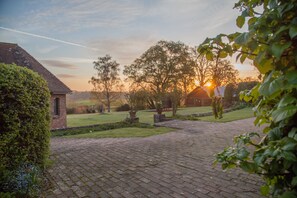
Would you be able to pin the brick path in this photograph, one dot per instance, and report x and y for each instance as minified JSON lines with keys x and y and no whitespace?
{"x":176,"y":164}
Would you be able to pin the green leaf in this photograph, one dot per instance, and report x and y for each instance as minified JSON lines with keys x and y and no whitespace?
{"x":288,"y":194}
{"x":264,"y":190}
{"x":248,"y":167}
{"x":293,"y":31}
{"x":289,"y":146}
{"x":242,"y":38}
{"x":283,"y":113}
{"x":277,"y":49}
{"x":275,"y":86}
{"x":240,"y":21}
{"x":223,"y":54}
{"x":275,"y":134}
{"x":294,"y":181}
{"x":286,"y":100}
{"x":291,"y":77}
{"x":289,"y":156}
{"x":209,"y":56}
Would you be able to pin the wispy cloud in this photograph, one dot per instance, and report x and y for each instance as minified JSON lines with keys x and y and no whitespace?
{"x":72,"y":15}
{"x":47,"y":38}
{"x":66,"y":76}
{"x":124,"y":49}
{"x":59,"y":64}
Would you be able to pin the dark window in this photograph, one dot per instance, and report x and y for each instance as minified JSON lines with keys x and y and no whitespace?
{"x":57,"y":106}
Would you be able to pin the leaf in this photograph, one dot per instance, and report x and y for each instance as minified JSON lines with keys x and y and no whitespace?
{"x":209,"y":56}
{"x":291,"y":77}
{"x":240,"y":21}
{"x":242,"y":38}
{"x":264,"y":190}
{"x":277,"y":49}
{"x":223,"y":54}
{"x":283,"y":113}
{"x":275,"y":86}
{"x":288,"y":194}
{"x":289,"y":146}
{"x":293,"y":31}
{"x":289,"y":156}
{"x":294,"y":181}
{"x":248,"y":167}
{"x":286,"y":100}
{"x":275,"y":134}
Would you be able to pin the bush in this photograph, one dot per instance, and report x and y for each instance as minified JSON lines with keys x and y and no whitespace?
{"x":124,"y":107}
{"x":24,"y":118}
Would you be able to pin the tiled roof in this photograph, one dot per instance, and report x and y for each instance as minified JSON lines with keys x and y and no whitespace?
{"x":12,"y":53}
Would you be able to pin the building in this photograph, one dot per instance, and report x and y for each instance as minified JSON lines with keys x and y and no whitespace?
{"x":12,"y":53}
{"x":198,"y":97}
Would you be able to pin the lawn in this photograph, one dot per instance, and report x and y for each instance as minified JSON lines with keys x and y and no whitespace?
{"x":231,"y":116}
{"x":74,"y":120}
{"x":124,"y":133}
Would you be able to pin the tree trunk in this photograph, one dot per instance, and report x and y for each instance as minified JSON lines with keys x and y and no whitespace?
{"x":108,"y":102}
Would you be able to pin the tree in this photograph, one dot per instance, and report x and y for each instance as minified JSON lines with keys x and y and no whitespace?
{"x":222,"y":72}
{"x":107,"y":84}
{"x":202,"y":68}
{"x":160,"y":68}
{"x":271,"y":44}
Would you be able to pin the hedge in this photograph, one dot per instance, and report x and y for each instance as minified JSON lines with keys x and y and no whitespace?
{"x":24,"y":118}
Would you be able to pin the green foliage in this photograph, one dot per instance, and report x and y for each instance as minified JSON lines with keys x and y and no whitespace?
{"x":271,"y":44}
{"x":24,"y":118}
{"x":217,"y":107}
{"x":123,"y":107}
{"x":107,"y":84}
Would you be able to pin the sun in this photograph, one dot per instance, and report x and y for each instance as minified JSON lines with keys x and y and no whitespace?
{"x":208,"y":84}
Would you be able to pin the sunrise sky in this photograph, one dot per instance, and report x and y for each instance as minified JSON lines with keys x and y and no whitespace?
{"x":66,"y":36}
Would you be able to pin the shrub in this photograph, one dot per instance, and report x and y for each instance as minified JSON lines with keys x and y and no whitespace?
{"x":124,"y":107}
{"x":24,"y":118}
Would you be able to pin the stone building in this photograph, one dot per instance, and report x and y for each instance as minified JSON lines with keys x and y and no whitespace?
{"x":12,"y":53}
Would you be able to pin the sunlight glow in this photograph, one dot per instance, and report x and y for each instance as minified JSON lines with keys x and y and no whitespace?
{"x":208,"y":84}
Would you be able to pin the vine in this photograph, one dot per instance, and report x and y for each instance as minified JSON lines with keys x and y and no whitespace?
{"x":271,"y":44}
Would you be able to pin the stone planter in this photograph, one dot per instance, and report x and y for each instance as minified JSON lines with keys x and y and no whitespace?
{"x":159,"y":118}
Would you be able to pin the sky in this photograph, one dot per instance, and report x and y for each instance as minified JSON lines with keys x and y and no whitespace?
{"x":67,"y":36}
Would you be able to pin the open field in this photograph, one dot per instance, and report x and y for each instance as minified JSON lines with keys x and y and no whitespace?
{"x":74,"y":120}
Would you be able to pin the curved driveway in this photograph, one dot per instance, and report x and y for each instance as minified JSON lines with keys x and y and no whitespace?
{"x":176,"y":164}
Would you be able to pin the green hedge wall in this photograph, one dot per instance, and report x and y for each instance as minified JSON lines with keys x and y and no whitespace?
{"x":24,"y":118}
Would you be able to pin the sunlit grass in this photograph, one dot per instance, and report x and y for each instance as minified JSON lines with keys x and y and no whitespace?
{"x":74,"y":120}
{"x":124,"y":133}
{"x":231,"y":116}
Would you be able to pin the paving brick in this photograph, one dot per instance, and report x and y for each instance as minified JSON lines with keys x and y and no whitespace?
{"x":177,"y":164}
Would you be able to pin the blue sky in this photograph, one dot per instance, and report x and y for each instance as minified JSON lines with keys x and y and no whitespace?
{"x":66,"y":36}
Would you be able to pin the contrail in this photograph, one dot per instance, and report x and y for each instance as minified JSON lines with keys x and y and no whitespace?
{"x":48,"y":38}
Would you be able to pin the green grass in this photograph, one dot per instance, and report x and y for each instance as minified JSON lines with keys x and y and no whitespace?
{"x":124,"y":133}
{"x":231,"y":116}
{"x":74,"y":120}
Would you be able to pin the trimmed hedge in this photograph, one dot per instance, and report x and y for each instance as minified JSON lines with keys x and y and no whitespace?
{"x":24,"y":120}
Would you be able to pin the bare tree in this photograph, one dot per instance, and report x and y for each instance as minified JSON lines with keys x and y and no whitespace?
{"x":202,"y":67}
{"x":107,"y":84}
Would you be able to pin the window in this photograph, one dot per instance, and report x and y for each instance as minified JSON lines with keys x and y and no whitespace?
{"x":57,"y":106}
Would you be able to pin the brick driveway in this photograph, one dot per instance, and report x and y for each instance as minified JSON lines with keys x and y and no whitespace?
{"x":176,"y":164}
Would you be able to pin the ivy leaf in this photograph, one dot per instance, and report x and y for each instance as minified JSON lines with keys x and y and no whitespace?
{"x":283,"y":113}
{"x":278,"y":49}
{"x":240,"y":21}
{"x":293,"y":31}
